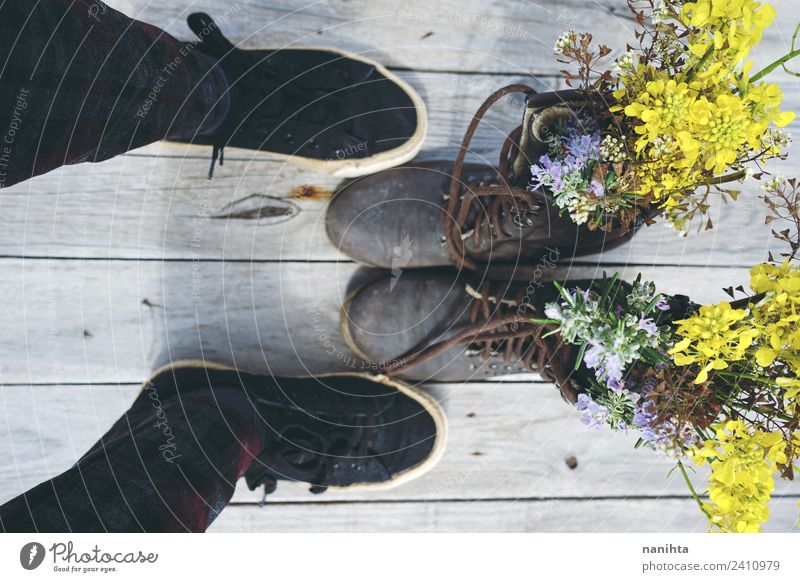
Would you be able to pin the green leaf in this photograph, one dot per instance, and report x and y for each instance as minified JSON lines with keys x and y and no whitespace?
{"x":579,"y":358}
{"x":564,"y":293}
{"x":654,"y":356}
{"x":545,"y":321}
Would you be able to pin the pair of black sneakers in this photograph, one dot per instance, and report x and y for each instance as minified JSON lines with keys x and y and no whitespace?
{"x":348,"y":116}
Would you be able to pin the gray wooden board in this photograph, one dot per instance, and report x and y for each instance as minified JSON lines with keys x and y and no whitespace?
{"x":555,"y":515}
{"x":514,"y":36}
{"x":69,"y":213}
{"x":90,"y":321}
{"x":506,"y":440}
{"x":156,"y":203}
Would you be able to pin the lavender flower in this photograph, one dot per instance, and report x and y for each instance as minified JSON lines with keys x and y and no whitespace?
{"x":582,"y":149}
{"x":593,"y":414}
{"x":647,"y":325}
{"x":667,"y":436}
{"x":567,"y":170}
{"x":613,"y":342}
{"x":597,"y":189}
{"x":547,"y":173}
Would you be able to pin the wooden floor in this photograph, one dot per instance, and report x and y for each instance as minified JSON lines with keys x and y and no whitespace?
{"x":114,"y":268}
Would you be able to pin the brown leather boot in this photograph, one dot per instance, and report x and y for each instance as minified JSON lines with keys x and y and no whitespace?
{"x":468,"y":215}
{"x":432,"y":325}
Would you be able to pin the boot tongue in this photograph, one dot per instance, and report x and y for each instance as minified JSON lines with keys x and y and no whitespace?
{"x":542,"y":112}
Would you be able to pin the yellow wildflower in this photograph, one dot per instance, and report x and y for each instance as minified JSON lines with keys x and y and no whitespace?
{"x":791,"y":387}
{"x":777,"y":315}
{"x":693,"y":124}
{"x":741,"y":481}
{"x":711,"y":338}
{"x":731,"y":27}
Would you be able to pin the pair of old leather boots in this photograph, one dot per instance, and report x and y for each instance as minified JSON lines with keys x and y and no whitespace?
{"x":469,"y":251}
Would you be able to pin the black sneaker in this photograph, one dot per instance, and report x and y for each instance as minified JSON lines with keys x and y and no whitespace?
{"x":340,"y":431}
{"x":328,"y":110}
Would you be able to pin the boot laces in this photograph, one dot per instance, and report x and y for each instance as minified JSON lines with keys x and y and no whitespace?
{"x":500,"y":324}
{"x":481,"y":211}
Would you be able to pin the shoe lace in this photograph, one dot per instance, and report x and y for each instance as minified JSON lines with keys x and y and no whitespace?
{"x":500,"y":324}
{"x":478,"y":212}
{"x":214,"y":43}
{"x":475,"y":211}
{"x":309,"y":453}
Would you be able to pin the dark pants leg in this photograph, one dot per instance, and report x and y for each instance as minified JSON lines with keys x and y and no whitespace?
{"x":169,"y":464}
{"x":82,"y":82}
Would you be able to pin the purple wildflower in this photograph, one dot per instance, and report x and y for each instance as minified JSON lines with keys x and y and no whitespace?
{"x":603,"y":361}
{"x":614,"y":370}
{"x":547,"y":173}
{"x":593,"y":415}
{"x":593,"y":357}
{"x":644,"y":418}
{"x":582,"y":149}
{"x":647,"y":324}
{"x":665,"y":435}
{"x":662,"y":304}
{"x":597,"y":189}
{"x":616,"y":384}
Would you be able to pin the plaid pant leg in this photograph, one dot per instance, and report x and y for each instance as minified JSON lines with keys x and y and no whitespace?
{"x":80,"y":81}
{"x":166,"y":466}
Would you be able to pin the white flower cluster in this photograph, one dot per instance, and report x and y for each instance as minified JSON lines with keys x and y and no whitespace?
{"x":662,"y":145}
{"x":660,"y":13}
{"x":612,"y":149}
{"x":774,"y":184}
{"x":625,"y":64}
{"x":566,"y":41}
{"x":778,"y":140}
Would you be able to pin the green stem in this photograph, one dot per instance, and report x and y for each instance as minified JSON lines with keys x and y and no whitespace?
{"x":717,"y":180}
{"x":746,"y":377}
{"x":691,"y":488}
{"x":702,"y":62}
{"x":732,"y":177}
{"x":744,"y":409}
{"x":774,"y":65}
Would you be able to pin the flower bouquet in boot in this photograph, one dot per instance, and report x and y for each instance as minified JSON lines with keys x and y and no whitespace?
{"x":717,"y":384}
{"x":674,"y":121}
{"x":679,"y":116}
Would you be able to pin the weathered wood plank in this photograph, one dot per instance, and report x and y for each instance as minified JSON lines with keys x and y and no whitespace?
{"x":162,"y":208}
{"x":113,"y":321}
{"x":506,"y":440}
{"x":505,"y":36}
{"x":156,"y":203}
{"x":558,"y":515}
